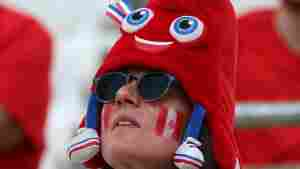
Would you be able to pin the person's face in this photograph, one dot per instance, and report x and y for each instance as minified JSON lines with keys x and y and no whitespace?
{"x":139,"y":134}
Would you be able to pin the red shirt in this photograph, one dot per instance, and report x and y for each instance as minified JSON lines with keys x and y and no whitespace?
{"x":267,"y":72}
{"x":25,"y":50}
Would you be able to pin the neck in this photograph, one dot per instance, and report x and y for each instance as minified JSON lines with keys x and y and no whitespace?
{"x":288,"y":26}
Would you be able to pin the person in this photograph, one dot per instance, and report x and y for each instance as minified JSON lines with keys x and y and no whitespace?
{"x":164,"y":95}
{"x":268,"y":82}
{"x":24,"y":89}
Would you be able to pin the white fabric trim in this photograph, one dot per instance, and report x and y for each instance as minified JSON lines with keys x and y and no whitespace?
{"x":262,"y":109}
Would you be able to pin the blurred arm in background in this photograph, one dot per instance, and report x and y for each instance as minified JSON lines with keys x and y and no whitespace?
{"x":268,"y":83}
{"x":10,"y":131}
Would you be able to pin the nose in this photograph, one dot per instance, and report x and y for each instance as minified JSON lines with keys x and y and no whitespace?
{"x":128,"y":94}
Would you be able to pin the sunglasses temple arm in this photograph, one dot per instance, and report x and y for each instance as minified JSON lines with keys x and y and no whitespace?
{"x":92,"y":115}
{"x":195,"y":123}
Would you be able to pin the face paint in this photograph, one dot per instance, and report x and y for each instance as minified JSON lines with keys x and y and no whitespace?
{"x":169,"y":123}
{"x":179,"y":124}
{"x":106,"y":115}
{"x":173,"y":125}
{"x":161,"y":120}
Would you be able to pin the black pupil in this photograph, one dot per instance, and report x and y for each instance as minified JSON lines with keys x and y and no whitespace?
{"x":185,"y":24}
{"x":138,"y":15}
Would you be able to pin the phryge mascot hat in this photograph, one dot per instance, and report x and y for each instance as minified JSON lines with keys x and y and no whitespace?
{"x":195,"y":40}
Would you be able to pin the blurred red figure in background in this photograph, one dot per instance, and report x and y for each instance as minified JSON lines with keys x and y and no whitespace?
{"x":268,"y":73}
{"x":25,"y":52}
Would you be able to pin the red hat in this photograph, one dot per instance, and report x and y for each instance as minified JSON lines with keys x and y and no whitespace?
{"x":196,"y":41}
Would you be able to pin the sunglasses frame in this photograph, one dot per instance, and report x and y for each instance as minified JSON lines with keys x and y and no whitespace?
{"x":137,"y":76}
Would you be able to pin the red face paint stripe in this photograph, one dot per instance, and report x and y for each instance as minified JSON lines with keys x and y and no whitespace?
{"x":178,"y":126}
{"x":106,"y":114}
{"x":161,"y":121}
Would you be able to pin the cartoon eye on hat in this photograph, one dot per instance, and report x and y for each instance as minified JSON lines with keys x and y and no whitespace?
{"x":137,"y":19}
{"x":186,"y":28}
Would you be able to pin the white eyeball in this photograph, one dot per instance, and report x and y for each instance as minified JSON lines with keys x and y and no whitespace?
{"x":137,"y":19}
{"x":186,"y":28}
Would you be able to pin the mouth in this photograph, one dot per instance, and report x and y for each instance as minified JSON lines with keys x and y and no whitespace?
{"x":125,"y":121}
{"x":154,"y":43}
{"x":152,"y":46}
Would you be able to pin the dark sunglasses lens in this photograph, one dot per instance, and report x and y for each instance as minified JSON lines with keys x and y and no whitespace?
{"x":108,"y":85}
{"x":153,"y":86}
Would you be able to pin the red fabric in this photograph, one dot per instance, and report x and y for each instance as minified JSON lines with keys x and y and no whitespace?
{"x":206,"y":68}
{"x":267,"y":72}
{"x":25,"y":50}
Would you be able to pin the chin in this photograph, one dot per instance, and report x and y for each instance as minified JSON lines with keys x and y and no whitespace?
{"x":156,"y":154}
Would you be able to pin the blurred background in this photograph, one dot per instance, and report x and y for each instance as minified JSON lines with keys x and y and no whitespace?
{"x":81,"y":36}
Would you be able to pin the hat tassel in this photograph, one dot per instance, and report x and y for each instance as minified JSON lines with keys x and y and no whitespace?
{"x":189,"y":155}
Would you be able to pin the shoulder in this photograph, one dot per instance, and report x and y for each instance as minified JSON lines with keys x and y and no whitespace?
{"x":256,"y":36}
{"x":256,"y":31}
{"x":256,"y":23}
{"x":24,"y":37}
{"x":256,"y":17}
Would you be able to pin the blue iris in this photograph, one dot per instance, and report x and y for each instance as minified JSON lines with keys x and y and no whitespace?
{"x":185,"y":25}
{"x":138,"y":17}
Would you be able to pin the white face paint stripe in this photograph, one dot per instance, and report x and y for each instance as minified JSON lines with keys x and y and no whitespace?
{"x":171,"y":123}
{"x":259,"y":109}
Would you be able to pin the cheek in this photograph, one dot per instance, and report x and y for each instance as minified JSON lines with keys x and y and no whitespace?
{"x":106,"y":115}
{"x":169,"y":123}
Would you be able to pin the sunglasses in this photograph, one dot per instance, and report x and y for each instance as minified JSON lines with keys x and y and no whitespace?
{"x":151,"y":86}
